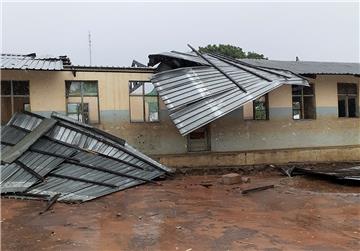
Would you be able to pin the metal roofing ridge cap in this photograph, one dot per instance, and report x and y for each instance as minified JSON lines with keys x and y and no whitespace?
{"x":75,"y":67}
{"x":296,"y":62}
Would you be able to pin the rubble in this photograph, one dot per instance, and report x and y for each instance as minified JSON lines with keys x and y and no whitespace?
{"x":231,"y":178}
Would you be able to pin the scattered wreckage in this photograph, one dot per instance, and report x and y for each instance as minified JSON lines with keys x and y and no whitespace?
{"x":341,"y":175}
{"x":60,"y":159}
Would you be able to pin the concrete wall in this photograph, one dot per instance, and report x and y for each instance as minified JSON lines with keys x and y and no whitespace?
{"x":229,"y":133}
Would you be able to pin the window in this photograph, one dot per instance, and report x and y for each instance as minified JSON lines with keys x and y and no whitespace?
{"x":347,"y":100}
{"x":303,"y":102}
{"x":82,"y":101}
{"x":144,"y":102}
{"x":78,"y":111}
{"x":258,"y":109}
{"x":14,"y":98}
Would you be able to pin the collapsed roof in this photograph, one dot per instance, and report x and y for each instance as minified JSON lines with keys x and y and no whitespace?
{"x":61,"y":157}
{"x":200,"y":88}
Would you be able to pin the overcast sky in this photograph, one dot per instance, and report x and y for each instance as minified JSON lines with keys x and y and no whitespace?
{"x":125,"y":31}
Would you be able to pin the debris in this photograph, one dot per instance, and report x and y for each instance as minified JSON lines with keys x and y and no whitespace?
{"x":206,"y":184}
{"x":287,"y":171}
{"x":51,"y":202}
{"x":245,"y":179}
{"x":44,"y":157}
{"x":255,"y":189}
{"x":231,"y":178}
{"x":179,"y":227}
{"x":351,"y":174}
{"x":118,"y":215}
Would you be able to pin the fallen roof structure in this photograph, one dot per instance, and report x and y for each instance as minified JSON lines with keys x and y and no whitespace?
{"x":351,"y":174}
{"x":58,"y":156}
{"x":200,"y":88}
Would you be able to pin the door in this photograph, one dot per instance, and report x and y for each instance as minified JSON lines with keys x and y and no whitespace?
{"x":199,"y":140}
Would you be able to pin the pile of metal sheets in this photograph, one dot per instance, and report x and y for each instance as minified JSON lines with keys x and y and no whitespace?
{"x":342,"y":174}
{"x":67,"y":159}
{"x":200,"y":89}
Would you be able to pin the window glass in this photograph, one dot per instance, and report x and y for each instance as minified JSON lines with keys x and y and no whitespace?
{"x":151,"y":109}
{"x":5,"y":88}
{"x":309,"y":108}
{"x":308,"y":90}
{"x":260,"y":108}
{"x":20,"y":87}
{"x":73,"y":88}
{"x":342,"y":106}
{"x":296,"y":114}
{"x":352,"y":107}
{"x":73,"y":108}
{"x":90,"y":89}
{"x":136,"y":88}
{"x":149,"y":89}
{"x":296,"y":89}
{"x":27,"y":107}
{"x":296,"y":103}
{"x":347,"y":88}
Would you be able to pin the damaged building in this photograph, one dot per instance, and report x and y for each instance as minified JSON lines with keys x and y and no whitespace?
{"x":191,"y":110}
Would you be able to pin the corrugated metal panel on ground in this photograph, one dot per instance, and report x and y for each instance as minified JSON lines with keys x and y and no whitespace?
{"x":197,"y":95}
{"x":75,"y":160}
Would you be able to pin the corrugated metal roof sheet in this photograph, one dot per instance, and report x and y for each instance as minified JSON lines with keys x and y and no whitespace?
{"x":197,"y":95}
{"x":72,"y":159}
{"x":30,"y":62}
{"x":308,"y":67}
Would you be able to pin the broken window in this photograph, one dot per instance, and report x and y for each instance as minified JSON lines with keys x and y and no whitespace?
{"x":82,"y":101}
{"x":15,"y":97}
{"x":144,"y":102}
{"x":303,"y":102}
{"x":347,"y":100}
{"x":257,"y":110}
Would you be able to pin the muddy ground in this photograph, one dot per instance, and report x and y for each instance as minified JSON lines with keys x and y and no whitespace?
{"x":298,"y":214}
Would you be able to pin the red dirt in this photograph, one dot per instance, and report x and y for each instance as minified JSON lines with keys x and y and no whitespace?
{"x":182,"y":214}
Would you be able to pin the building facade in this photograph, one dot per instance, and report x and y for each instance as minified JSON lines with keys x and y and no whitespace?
{"x":316,"y":123}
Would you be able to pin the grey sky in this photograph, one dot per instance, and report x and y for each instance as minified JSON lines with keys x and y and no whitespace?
{"x":125,"y":31}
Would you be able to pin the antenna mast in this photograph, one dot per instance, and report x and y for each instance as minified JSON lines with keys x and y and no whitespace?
{"x":90,"y":47}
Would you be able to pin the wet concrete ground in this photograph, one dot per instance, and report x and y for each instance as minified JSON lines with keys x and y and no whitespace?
{"x":298,"y":214}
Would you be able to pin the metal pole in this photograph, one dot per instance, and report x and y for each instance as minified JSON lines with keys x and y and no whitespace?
{"x":90,"y":47}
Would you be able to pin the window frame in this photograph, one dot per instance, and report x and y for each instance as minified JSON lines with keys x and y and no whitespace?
{"x":12,"y":96}
{"x":143,"y":95}
{"x":357,"y":115}
{"x":82,"y":96}
{"x":302,"y":103}
{"x":266,"y":108}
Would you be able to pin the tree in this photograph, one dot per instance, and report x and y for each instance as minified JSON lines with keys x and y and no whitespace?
{"x":230,"y":51}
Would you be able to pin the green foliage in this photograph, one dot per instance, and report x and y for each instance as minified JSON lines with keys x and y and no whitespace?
{"x":230,"y":51}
